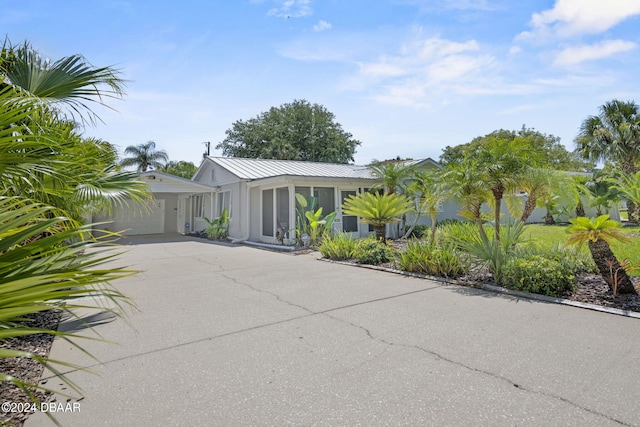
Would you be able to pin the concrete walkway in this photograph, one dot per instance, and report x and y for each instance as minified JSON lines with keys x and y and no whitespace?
{"x":230,"y":336}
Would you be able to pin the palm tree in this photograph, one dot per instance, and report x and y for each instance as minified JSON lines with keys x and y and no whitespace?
{"x":628,"y":187}
{"x":614,"y":135}
{"x":377,"y":210}
{"x":144,"y":156}
{"x":391,"y":175}
{"x":429,"y":192}
{"x":502,"y":164}
{"x":70,"y":82}
{"x":598,"y":233}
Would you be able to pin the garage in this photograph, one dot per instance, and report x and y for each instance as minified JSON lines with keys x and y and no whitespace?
{"x":168,"y":212}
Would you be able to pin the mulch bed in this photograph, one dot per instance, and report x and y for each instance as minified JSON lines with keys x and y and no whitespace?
{"x":26,"y":369}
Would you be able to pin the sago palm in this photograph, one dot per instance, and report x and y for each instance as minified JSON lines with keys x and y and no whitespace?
{"x":598,"y":233}
{"x":377,"y":210}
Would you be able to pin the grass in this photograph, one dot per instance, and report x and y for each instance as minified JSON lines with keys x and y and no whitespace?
{"x":553,"y":234}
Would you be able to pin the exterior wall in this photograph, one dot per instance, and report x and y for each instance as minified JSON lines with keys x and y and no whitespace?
{"x":170,"y":211}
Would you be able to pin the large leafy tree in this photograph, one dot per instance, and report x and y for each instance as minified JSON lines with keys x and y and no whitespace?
{"x":295,"y":131}
{"x":144,"y":156}
{"x":613,"y":135}
{"x":180,"y":168}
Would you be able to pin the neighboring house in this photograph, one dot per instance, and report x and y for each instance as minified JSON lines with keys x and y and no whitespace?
{"x":170,"y":211}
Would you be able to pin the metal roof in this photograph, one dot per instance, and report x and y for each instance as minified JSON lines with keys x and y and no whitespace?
{"x":263,"y":168}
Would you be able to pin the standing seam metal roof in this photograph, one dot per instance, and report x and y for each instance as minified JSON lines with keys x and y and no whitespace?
{"x":263,"y":168}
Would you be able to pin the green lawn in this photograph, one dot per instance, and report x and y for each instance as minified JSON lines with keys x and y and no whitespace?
{"x":557,"y":234}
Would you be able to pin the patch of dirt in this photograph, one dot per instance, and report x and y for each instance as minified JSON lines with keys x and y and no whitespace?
{"x":26,"y":369}
{"x":592,"y":289}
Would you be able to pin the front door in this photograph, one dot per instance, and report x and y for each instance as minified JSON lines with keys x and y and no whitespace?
{"x":349,"y":222}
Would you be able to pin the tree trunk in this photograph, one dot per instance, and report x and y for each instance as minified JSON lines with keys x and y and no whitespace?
{"x":632,"y":211}
{"x":580,"y":209}
{"x":610,"y":269}
{"x":529,"y":207}
{"x":548,"y":219}
{"x":497,"y":195}
{"x":381,"y":231}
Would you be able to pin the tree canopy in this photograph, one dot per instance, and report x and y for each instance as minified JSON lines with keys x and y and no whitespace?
{"x":144,"y":156}
{"x":549,"y":153}
{"x":295,"y":131}
{"x":180,"y":168}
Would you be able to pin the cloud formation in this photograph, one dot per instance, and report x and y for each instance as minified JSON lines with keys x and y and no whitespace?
{"x":291,"y":9}
{"x":321,"y":26}
{"x":570,"y":18}
{"x":580,"y":53}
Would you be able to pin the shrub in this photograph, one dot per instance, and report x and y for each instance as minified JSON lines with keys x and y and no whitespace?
{"x":420,"y":257}
{"x":339,"y":246}
{"x":372,"y":251}
{"x":575,"y":259}
{"x":418,"y":232}
{"x":538,"y":275}
{"x":455,"y":231}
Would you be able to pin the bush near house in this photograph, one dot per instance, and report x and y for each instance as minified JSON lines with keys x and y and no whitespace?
{"x":538,"y":275}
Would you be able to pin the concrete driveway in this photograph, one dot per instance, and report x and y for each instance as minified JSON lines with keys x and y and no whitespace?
{"x":230,"y":336}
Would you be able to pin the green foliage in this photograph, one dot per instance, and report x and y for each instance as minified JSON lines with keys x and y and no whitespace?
{"x":49,"y":178}
{"x":420,"y":257}
{"x":539,"y":275}
{"x":584,"y":229}
{"x":456,"y":231}
{"x":218,"y":228}
{"x":377,"y":209}
{"x":294,"y":131}
{"x":628,"y":187}
{"x":144,"y":156}
{"x":492,"y":253}
{"x":40,"y":269}
{"x":574,"y":258}
{"x":372,"y":251}
{"x":417,"y":231}
{"x":310,"y":221}
{"x":339,"y":246}
{"x":181,"y":168}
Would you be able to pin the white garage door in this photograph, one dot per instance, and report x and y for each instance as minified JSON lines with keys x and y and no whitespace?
{"x":135,"y":220}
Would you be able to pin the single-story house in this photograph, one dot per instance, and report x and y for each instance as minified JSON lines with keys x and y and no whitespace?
{"x":170,"y":211}
{"x":260,"y":197}
{"x":260,"y":194}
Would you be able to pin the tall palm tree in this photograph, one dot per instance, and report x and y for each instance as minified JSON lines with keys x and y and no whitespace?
{"x":391,"y":175}
{"x":613,"y":135}
{"x":428,"y":189}
{"x":144,"y":156}
{"x":502,"y":163}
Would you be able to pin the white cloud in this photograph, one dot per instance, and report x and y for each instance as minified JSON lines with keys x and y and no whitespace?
{"x":321,"y":26}
{"x":576,"y":54}
{"x":421,"y":68}
{"x":570,"y":18}
{"x":291,"y":9}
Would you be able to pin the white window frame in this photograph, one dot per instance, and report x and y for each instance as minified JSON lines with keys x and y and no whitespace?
{"x":198,"y":206}
{"x":224,"y":202}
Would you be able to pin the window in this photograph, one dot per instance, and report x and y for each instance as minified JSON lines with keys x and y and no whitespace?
{"x":224,"y":202}
{"x":326,"y":199}
{"x":198,"y":206}
{"x":267,"y":213}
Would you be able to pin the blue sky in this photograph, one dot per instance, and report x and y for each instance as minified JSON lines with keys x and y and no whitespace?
{"x":405,"y":77}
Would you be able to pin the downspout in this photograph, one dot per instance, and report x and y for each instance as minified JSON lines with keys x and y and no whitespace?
{"x":248,"y":216}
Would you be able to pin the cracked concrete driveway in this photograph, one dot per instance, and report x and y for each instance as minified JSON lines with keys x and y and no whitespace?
{"x":241,"y":336}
